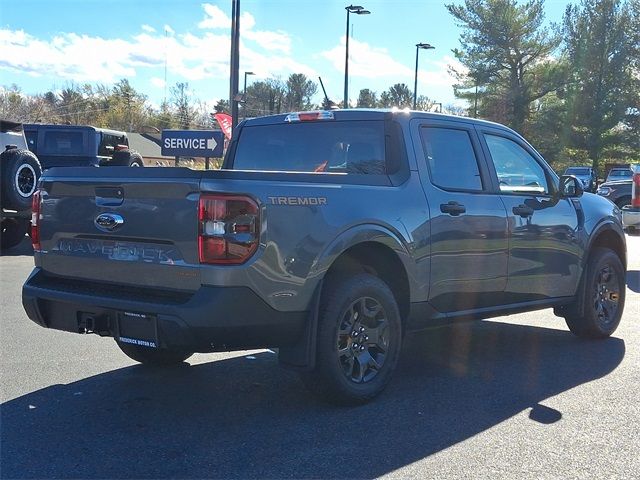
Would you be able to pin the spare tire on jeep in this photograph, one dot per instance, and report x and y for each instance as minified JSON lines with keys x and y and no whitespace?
{"x":126,"y":158}
{"x":21,"y":171}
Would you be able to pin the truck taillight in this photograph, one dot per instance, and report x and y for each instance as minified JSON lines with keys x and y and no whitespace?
{"x":35,"y":220}
{"x":635,"y":190}
{"x":229,"y":230}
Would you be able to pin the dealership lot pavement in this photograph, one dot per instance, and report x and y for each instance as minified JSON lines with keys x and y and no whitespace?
{"x":514,"y":396}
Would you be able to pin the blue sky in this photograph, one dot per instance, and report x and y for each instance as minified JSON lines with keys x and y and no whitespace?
{"x":52,"y":43}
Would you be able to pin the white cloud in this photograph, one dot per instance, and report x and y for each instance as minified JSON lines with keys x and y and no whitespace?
{"x":77,"y":57}
{"x":366,"y":61}
{"x":189,"y":57}
{"x":214,"y":17}
{"x":439,"y":73}
{"x":270,"y":40}
{"x":157,"y":82}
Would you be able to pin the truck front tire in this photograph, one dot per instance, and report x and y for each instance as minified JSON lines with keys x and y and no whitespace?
{"x":598,"y":307}
{"x":358,"y":342}
{"x":126,"y":158}
{"x":157,"y":357}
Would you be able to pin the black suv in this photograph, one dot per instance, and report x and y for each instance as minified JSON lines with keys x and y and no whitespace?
{"x":80,"y":146}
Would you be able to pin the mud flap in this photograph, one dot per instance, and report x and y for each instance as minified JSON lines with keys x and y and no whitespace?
{"x":302,"y":355}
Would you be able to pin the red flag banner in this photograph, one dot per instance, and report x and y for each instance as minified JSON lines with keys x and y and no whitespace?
{"x":224,"y":121}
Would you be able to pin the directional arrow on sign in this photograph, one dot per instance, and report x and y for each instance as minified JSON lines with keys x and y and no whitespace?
{"x":211,"y":143}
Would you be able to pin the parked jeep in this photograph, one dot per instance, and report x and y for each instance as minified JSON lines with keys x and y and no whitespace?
{"x":20,"y":171}
{"x":80,"y":146}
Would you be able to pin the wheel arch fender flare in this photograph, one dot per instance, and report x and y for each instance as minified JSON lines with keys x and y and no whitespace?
{"x":610,"y":230}
{"x":383,"y":235}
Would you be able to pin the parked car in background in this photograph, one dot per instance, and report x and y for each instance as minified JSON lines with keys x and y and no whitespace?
{"x":80,"y":146}
{"x":586,"y":175}
{"x":631,"y":213}
{"x":20,"y":171}
{"x":619,"y":174}
{"x":616,"y":191}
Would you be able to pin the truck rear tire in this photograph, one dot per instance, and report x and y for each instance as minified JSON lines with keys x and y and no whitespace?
{"x":157,"y":357}
{"x":598,"y":307}
{"x":13,"y":232}
{"x":358,"y":342}
{"x":20,"y":174}
{"x":127,"y":158}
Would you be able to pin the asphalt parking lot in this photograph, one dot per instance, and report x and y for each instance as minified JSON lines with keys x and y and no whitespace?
{"x":515,"y":396}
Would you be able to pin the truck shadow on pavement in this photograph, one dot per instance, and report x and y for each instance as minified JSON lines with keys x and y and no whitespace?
{"x":246,"y":418}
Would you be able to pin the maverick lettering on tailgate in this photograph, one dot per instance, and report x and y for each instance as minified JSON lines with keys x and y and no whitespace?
{"x":116,"y":250}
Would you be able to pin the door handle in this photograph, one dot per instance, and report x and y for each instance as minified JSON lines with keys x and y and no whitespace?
{"x":523,"y":211}
{"x":452,"y":208}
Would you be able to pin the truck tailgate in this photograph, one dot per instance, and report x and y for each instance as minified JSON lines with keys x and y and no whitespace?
{"x":96,"y":220}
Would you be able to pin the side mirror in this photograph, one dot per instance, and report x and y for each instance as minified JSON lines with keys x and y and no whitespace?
{"x":570,"y":187}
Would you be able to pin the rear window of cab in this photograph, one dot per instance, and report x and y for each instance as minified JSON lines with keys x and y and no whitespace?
{"x":353,"y":147}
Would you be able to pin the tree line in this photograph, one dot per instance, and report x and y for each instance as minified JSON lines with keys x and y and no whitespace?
{"x":572,"y":88}
{"x":120,"y":107}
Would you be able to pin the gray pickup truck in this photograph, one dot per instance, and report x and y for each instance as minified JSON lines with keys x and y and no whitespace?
{"x":327,"y":235}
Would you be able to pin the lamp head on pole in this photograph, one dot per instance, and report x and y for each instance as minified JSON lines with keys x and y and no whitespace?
{"x":357,"y":9}
{"x":425,"y":46}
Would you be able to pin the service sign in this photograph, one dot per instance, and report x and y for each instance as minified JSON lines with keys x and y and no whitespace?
{"x":192,"y":143}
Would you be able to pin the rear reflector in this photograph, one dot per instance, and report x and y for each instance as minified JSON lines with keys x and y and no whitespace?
{"x":229,"y":231}
{"x":35,"y":220}
{"x":309,"y":116}
{"x":635,"y":190}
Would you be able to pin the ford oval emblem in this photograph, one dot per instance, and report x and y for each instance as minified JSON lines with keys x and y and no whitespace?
{"x":107,"y":222}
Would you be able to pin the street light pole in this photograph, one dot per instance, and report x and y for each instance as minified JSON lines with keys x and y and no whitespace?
{"x":419,"y":46}
{"x":358,"y":10}
{"x":235,"y":61}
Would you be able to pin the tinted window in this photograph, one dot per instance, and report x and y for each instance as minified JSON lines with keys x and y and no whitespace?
{"x":516,"y":168}
{"x":63,"y":143}
{"x":577,"y":171}
{"x":620,"y":174}
{"x":342,"y":147}
{"x":450,"y":157}
{"x":108,"y":142}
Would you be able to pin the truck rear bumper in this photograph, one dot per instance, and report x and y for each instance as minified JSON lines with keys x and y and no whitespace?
{"x":210,"y":319}
{"x":630,"y":217}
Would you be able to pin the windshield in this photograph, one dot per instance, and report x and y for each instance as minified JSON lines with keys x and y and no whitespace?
{"x":332,"y":147}
{"x":577,"y":171}
{"x":620,"y":173}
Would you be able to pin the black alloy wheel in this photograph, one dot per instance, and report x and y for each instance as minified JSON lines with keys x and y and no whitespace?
{"x":599,"y":303}
{"x":363,"y":341}
{"x":605,"y":295}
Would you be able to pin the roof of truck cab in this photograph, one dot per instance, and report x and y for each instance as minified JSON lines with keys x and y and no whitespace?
{"x":376,"y":114}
